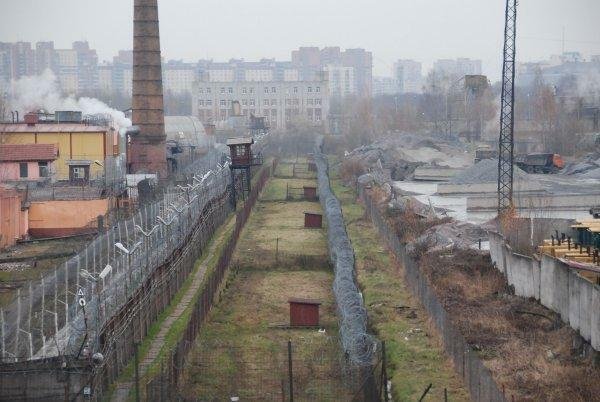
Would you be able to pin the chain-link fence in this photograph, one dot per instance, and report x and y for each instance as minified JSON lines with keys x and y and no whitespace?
{"x":292,"y":371}
{"x":477,"y":378}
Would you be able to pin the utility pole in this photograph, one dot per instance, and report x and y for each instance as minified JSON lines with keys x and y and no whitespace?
{"x":506,"y":143}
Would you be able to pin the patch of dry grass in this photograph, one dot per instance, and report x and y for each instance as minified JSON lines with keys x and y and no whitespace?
{"x":527,"y":346}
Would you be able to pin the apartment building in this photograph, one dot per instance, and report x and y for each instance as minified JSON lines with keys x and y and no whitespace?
{"x":408,"y":75}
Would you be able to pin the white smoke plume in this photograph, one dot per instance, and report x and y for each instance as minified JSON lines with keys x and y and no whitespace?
{"x":42,"y":92}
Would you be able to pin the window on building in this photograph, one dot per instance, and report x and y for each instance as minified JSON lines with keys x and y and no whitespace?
{"x":266,"y":90}
{"x":201,"y":90}
{"x":251,"y":90}
{"x":288,"y":102}
{"x":273,"y":102}
{"x":230,"y":90}
{"x":245,"y":112}
{"x":23,"y":170}
{"x":317,"y":114}
{"x":244,"y":90}
{"x":207,"y":90}
{"x":78,"y":173}
{"x":222,"y":102}
{"x":309,"y":101}
{"x":209,"y":102}
{"x":244,"y":102}
{"x":296,"y":102}
{"x":240,"y":150}
{"x":309,"y":89}
{"x":266,"y":102}
{"x":273,"y":90}
{"x":222,"y":90}
{"x":317,"y":89}
{"x":252,"y":103}
{"x":201,"y":102}
{"x":253,"y":111}
{"x":317,"y":101}
{"x":295,"y":90}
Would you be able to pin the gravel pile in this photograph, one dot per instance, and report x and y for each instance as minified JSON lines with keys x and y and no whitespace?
{"x":485,"y":171}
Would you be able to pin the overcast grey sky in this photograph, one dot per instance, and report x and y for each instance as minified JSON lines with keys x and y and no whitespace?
{"x":423,"y":30}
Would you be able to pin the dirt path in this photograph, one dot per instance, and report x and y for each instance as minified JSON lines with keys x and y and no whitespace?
{"x":123,"y":389}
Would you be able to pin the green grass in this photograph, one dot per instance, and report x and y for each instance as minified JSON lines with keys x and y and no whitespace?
{"x":415,"y":358}
{"x":178,"y":327}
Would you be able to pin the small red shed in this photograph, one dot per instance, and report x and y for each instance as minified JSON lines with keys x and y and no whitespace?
{"x":304,"y":312}
{"x":313,"y":220}
{"x":310,"y":192}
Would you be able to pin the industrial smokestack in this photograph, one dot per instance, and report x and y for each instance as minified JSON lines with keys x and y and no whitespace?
{"x":147,"y":152}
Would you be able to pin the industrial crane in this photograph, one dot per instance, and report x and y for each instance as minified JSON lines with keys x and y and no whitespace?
{"x":506,"y":143}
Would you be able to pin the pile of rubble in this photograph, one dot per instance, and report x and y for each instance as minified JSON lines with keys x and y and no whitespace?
{"x":402,"y":154}
{"x":588,"y":168}
{"x":485,"y":171}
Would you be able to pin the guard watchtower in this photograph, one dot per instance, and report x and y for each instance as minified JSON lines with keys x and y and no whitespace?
{"x":242,"y":159}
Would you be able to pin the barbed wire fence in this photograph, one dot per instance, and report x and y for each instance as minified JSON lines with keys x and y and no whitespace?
{"x":64,"y":311}
{"x":358,"y":345}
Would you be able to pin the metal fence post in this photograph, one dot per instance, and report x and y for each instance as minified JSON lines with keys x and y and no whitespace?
{"x":290,"y":371}
{"x":137,"y":372}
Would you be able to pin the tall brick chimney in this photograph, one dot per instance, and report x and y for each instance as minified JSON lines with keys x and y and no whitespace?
{"x":147,"y":150}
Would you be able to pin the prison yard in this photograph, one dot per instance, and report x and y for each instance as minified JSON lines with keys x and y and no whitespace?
{"x":242,"y":350}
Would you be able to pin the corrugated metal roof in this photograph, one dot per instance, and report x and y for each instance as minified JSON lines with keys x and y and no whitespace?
{"x":28,"y":152}
{"x":240,"y":141}
{"x":50,"y":128}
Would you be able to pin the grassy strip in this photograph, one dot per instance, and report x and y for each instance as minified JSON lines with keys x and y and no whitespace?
{"x":178,"y":327}
{"x":415,"y":358}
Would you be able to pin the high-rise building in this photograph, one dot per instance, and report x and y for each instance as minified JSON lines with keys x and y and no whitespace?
{"x":408,"y":76}
{"x":87,"y":66}
{"x":384,"y":86}
{"x":457,"y":67}
{"x":22,"y":60}
{"x":67,"y":70}
{"x":357,"y":63}
{"x":45,"y":57}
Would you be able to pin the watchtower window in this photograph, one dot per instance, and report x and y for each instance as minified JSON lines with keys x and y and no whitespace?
{"x":240,"y":150}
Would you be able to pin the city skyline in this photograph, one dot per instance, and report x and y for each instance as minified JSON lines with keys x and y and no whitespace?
{"x":392,"y":34}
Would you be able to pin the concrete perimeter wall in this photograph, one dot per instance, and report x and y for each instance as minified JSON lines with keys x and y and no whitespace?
{"x":554,"y":284}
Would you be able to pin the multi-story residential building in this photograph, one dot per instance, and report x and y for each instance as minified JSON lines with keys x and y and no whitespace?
{"x":280,"y":102}
{"x":67,"y":71}
{"x":342,"y":81}
{"x":105,"y":77}
{"x":357,"y":62}
{"x":458,"y":67}
{"x":384,"y":86}
{"x":87,"y":66}
{"x":408,"y":76}
{"x":179,"y":77}
{"x":45,"y":57}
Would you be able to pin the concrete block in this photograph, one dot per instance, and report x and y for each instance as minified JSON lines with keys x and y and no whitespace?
{"x":595,"y":318}
{"x":536,"y":267}
{"x":586,"y":311}
{"x":561,"y":290}
{"x":547,"y":281}
{"x":574,"y":294}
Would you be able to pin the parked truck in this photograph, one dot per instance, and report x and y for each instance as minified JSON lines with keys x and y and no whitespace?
{"x":540,"y":163}
{"x":482,"y":153}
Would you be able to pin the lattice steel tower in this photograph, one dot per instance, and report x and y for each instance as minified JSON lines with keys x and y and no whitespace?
{"x":506,"y":146}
